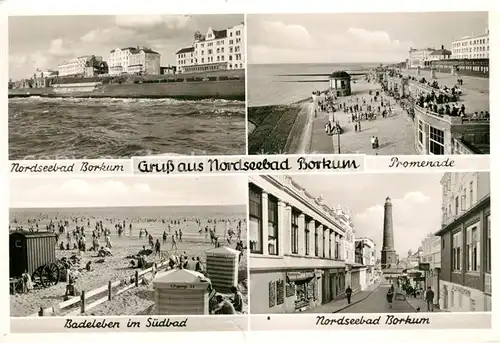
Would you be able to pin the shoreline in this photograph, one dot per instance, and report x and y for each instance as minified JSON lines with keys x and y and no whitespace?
{"x":129,"y":96}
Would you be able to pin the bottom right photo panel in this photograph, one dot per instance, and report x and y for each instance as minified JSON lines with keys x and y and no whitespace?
{"x":370,"y":243}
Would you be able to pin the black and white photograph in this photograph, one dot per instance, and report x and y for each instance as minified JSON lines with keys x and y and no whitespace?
{"x":370,"y":243}
{"x":97,"y":87}
{"x":128,"y":246}
{"x":368,"y":83}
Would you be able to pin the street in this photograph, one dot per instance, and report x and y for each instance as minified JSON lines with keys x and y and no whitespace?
{"x":377,"y":303}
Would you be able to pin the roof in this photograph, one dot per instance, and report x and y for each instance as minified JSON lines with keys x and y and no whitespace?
{"x":223,"y":251}
{"x":137,"y":50}
{"x":33,"y":234}
{"x":180,"y":276}
{"x":441,"y":52}
{"x":184,"y":50}
{"x":340,"y":74}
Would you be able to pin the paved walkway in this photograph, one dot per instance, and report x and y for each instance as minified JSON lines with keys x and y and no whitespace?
{"x":476,"y":90}
{"x":377,"y":303}
{"x":339,"y":305}
{"x":395,"y":133}
{"x":420,"y":305}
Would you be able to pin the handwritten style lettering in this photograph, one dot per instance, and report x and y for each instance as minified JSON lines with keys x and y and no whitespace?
{"x":396,"y":163}
{"x":91,"y":324}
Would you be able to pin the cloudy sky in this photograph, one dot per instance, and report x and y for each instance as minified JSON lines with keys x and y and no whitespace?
{"x":336,"y":38}
{"x":45,"y":41}
{"x":416,"y":203}
{"x":127,"y":191}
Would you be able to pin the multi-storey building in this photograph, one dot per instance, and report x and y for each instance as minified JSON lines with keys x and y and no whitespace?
{"x":440,"y":54}
{"x":297,"y":247}
{"x":419,"y":58}
{"x":431,"y":255}
{"x":216,"y":50}
{"x":77,"y":66}
{"x":465,"y":277}
{"x":134,"y":61}
{"x":471,"y":47}
{"x":365,"y":253}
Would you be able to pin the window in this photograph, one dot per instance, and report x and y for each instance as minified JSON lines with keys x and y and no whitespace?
{"x":255,"y":213}
{"x":436,"y":141}
{"x":295,"y":232}
{"x":472,"y":257}
{"x":316,"y":246}
{"x":464,"y":200}
{"x":471,"y":194}
{"x":337,"y":247}
{"x":324,"y":244}
{"x":456,"y":252}
{"x":330,"y":243}
{"x":420,"y":132}
{"x":272,"y":227}
{"x":456,"y":206}
{"x":306,"y":235}
{"x":488,"y":245}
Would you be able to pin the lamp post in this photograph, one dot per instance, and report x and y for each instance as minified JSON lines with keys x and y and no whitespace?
{"x":338,"y":140}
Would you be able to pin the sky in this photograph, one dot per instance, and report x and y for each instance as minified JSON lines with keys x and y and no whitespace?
{"x":416,"y":204}
{"x":354,"y":38}
{"x":61,"y":192}
{"x":45,"y":41}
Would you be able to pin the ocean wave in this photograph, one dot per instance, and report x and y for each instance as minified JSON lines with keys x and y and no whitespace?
{"x":59,"y":100}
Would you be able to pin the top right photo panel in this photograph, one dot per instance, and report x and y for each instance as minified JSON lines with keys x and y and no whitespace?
{"x":374,"y":83}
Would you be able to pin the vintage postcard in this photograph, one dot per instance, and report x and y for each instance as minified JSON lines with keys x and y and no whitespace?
{"x":128,"y":246}
{"x":95,"y":87}
{"x":369,"y":83}
{"x":370,"y":243}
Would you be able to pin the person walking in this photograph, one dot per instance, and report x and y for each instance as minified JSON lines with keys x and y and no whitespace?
{"x":348,"y":294}
{"x":390,"y":296}
{"x":429,"y":298}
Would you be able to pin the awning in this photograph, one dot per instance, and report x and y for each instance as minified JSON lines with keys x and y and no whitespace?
{"x":299,"y":276}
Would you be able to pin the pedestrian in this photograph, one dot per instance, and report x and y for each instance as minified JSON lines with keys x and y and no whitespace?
{"x":373,"y":142}
{"x":348,"y":294}
{"x":359,"y":126}
{"x":356,"y":127}
{"x":376,"y":143}
{"x":390,"y":296}
{"x":429,"y":298}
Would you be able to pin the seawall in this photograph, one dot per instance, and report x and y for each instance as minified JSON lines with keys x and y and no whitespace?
{"x":193,"y":90}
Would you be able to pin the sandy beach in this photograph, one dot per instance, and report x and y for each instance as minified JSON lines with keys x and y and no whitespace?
{"x":137,"y":300}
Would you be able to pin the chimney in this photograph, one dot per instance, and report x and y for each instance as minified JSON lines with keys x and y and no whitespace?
{"x":442,"y":47}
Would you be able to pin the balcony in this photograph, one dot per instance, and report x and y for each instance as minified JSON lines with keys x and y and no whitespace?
{"x":487,"y":283}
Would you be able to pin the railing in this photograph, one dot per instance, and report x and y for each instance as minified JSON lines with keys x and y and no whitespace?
{"x":85,"y":296}
{"x":454,"y":120}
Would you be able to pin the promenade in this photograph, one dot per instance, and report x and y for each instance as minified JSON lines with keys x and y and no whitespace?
{"x":475,"y":90}
{"x":395,"y":133}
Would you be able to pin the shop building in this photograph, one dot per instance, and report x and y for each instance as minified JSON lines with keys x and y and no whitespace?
{"x":465,"y":276}
{"x":297,"y":247}
{"x":430,"y":263}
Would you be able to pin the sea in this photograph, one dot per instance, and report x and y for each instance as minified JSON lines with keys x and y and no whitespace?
{"x":267,"y":85}
{"x":69,"y":128}
{"x":146,"y":217}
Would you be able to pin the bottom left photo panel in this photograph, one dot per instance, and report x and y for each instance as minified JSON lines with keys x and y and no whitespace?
{"x":128,"y":246}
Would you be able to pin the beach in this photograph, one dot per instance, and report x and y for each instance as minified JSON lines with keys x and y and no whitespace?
{"x":137,"y":300}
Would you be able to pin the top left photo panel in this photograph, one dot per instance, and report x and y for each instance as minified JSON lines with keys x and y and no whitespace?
{"x":114,"y":87}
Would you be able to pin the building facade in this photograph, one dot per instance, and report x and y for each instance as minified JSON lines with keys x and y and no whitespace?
{"x":222,"y":48}
{"x":419,"y":58}
{"x":297,"y":247}
{"x":471,"y":47}
{"x":431,"y":255}
{"x":77,"y":66}
{"x":465,"y":277}
{"x":440,"y":54}
{"x":138,"y":60}
{"x":366,"y":251}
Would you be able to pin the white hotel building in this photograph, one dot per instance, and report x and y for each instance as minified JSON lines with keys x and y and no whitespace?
{"x":76,"y":66}
{"x":297,"y":247}
{"x":471,"y":47}
{"x":134,"y":61}
{"x":216,"y":50}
